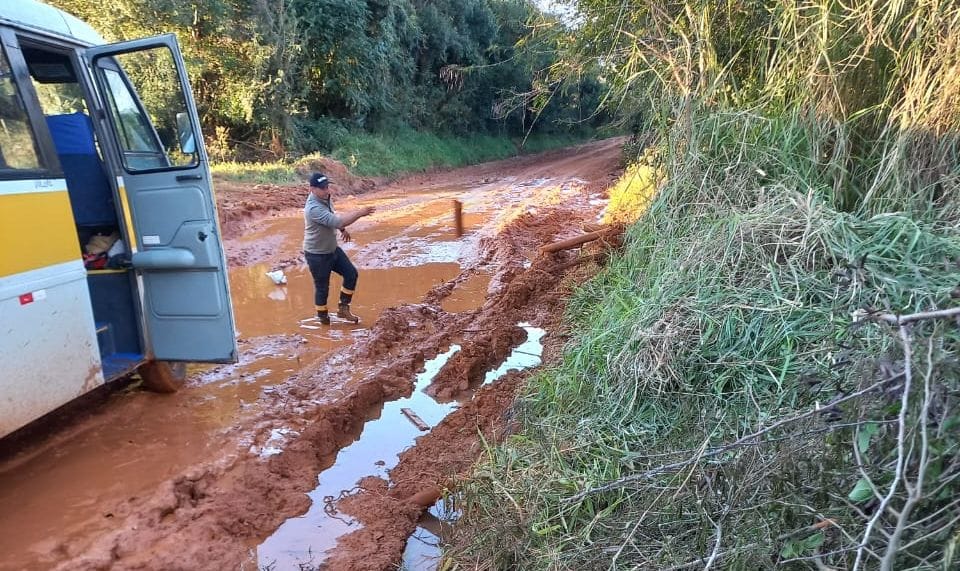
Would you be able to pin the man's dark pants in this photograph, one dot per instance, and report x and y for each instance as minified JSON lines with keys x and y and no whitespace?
{"x":320,"y":267}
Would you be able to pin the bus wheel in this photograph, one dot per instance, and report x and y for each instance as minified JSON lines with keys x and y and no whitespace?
{"x":163,"y":377}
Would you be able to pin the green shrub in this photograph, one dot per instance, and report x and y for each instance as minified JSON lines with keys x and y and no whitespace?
{"x":735,"y":395}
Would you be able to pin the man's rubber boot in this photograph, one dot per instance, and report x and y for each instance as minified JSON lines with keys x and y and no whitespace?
{"x":343,"y":312}
{"x":323,"y":317}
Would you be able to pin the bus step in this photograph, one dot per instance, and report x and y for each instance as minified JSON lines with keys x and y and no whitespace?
{"x":119,"y":365}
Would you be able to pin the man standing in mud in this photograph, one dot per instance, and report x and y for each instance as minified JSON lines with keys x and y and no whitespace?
{"x":322,"y":252}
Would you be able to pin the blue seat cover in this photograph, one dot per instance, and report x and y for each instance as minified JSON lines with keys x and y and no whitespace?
{"x":91,"y":196}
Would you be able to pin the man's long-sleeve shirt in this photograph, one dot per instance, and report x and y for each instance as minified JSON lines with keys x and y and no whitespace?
{"x":321,"y":224}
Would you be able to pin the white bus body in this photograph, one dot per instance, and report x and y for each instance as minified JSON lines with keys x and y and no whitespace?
{"x":112,"y":258}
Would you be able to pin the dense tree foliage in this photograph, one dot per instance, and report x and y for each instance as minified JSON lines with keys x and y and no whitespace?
{"x":294,"y":76}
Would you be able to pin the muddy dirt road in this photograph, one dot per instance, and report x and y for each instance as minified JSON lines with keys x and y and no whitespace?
{"x":309,"y":453}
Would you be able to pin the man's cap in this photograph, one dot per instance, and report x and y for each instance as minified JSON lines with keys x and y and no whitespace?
{"x":319,"y":180}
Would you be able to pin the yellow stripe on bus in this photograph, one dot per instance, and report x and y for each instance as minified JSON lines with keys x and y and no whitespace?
{"x":127,"y":217}
{"x":36,"y":231}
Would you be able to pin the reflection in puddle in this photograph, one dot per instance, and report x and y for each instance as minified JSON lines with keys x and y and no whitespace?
{"x":299,"y":540}
{"x":525,"y":356}
{"x":423,"y":548}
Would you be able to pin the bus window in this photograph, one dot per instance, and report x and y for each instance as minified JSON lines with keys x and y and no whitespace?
{"x":54,"y":80}
{"x":149,"y":109}
{"x":18,"y":150}
{"x":60,"y":98}
{"x":140,"y":148}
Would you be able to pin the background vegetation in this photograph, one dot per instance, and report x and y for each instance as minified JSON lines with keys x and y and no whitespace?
{"x":387,"y":154}
{"x":275,"y":79}
{"x":767,"y":376}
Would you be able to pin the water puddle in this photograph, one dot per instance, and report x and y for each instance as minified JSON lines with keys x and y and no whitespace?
{"x":263,"y":308}
{"x":467,"y":295}
{"x":424,"y":546}
{"x":400,"y":234}
{"x":423,"y":550}
{"x":301,"y":541}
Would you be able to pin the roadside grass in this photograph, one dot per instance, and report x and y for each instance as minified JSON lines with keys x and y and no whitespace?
{"x":734,"y":306}
{"x":632,"y":194}
{"x":255,"y":173}
{"x":738,"y":391}
{"x":406,"y":152}
{"x":414,"y":151}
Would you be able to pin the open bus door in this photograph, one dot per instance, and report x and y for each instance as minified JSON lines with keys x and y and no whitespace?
{"x":166,"y":198}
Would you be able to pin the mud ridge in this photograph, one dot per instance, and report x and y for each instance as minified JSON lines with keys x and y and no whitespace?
{"x":466,"y":369}
{"x":245,"y":500}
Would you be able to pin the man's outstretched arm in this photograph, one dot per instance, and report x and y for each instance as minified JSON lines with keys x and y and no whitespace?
{"x":351,"y":217}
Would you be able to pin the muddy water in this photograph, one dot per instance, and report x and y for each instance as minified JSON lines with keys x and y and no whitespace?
{"x":301,"y":542}
{"x":267,"y":309}
{"x":466,"y":295}
{"x":75,"y":484}
{"x":43,"y":496}
{"x":423,"y":547}
{"x":406,"y":231}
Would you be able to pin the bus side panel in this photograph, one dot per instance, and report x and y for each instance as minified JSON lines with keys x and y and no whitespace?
{"x":48,"y":340}
{"x":48,"y":344}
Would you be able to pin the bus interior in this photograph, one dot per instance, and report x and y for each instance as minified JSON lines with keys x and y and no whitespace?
{"x":101,"y":237}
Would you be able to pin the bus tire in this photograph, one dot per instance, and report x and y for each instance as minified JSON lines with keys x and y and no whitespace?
{"x":163,"y":376}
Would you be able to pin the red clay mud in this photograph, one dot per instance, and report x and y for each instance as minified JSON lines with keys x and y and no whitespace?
{"x":480,"y":353}
{"x":250,"y":477}
{"x":239,"y":205}
{"x":236,"y":502}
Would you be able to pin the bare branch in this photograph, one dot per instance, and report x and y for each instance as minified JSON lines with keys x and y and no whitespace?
{"x":716,"y":546}
{"x":915,"y":493}
{"x":901,"y":453}
{"x":900,"y":320}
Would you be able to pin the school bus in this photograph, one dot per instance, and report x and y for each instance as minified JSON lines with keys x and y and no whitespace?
{"x":111,"y":260}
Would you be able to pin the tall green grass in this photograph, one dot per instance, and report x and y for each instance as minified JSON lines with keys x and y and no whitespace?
{"x":728,"y":399}
{"x":413,"y":151}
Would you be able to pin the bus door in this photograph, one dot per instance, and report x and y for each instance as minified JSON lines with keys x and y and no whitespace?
{"x":166,"y":198}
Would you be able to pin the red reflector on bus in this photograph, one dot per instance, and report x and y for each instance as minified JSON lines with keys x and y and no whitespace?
{"x":26,"y":298}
